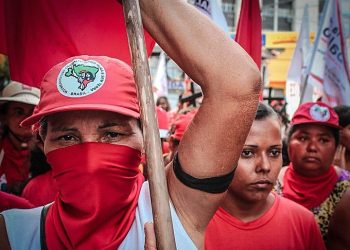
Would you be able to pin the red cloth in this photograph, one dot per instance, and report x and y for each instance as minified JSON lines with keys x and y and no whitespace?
{"x":9,"y":201}
{"x":286,"y":225}
{"x":15,"y":164}
{"x":309,"y":192}
{"x":99,"y":185}
{"x":248,"y":33}
{"x":40,"y":190}
{"x":38,"y":34}
{"x":181,"y":124}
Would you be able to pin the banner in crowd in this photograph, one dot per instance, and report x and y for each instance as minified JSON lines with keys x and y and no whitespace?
{"x":248,"y":33}
{"x":297,"y":68}
{"x":160,"y":83}
{"x":212,"y":9}
{"x":328,"y":69}
{"x":37,"y":34}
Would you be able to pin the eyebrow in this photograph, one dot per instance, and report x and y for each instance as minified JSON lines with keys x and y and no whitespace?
{"x":255,"y":146}
{"x":63,"y":129}
{"x":113,"y":124}
{"x":318,"y":134}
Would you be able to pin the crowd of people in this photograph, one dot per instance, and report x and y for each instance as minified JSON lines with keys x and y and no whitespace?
{"x":240,"y":173}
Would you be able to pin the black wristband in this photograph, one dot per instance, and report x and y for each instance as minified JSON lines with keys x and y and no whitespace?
{"x":213,"y":185}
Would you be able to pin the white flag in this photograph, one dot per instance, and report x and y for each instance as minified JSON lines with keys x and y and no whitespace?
{"x":160,"y":83}
{"x":213,"y":11}
{"x":297,"y":67}
{"x":328,"y":70}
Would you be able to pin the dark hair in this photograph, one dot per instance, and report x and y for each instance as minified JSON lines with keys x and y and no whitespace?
{"x":43,"y":127}
{"x":3,"y":111}
{"x":38,"y":163}
{"x":264,"y":111}
{"x":166,"y":100}
{"x":334,"y":131}
{"x":343,"y":113}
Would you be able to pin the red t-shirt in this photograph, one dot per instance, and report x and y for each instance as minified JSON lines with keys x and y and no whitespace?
{"x":286,"y":225}
{"x":41,"y":190}
{"x":15,"y":163}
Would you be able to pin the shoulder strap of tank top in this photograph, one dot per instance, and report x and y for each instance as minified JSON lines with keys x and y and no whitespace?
{"x":42,"y":226}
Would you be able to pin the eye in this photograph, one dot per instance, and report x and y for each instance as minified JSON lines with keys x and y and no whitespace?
{"x":246,"y":153}
{"x":111,"y":136}
{"x":18,"y":112}
{"x":275,"y":152}
{"x":324,"y":140}
{"x":302,"y":138}
{"x":66,"y":138}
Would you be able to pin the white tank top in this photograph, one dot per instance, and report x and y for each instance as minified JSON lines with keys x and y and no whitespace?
{"x":23,"y":226}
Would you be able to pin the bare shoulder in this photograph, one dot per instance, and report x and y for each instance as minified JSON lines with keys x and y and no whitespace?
{"x":4,"y":241}
{"x":344,"y":202}
{"x":339,"y":227}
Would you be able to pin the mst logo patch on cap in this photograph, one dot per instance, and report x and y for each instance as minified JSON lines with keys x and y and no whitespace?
{"x":319,"y":113}
{"x":80,"y":78}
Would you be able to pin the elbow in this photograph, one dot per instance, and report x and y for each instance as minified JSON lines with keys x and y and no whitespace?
{"x":249,"y":82}
{"x":255,"y":82}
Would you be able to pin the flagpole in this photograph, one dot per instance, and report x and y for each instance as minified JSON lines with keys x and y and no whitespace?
{"x":305,"y":82}
{"x":156,"y":171}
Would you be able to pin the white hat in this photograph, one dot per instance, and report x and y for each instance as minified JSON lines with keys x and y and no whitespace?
{"x":19,"y":92}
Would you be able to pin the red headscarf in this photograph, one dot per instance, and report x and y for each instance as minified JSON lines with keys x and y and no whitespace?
{"x":308,"y":191}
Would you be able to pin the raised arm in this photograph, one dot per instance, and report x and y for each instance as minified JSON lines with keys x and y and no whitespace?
{"x":230,"y":82}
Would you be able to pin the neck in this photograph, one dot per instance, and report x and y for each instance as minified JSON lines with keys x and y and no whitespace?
{"x":247,"y":211}
{"x":17,"y":141}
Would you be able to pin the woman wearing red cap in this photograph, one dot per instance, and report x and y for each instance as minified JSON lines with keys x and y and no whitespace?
{"x":311,"y":180}
{"x":253,"y":215}
{"x":177,"y":131}
{"x":89,"y":118}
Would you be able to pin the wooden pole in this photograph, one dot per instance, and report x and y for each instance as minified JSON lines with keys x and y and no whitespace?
{"x":155,"y":165}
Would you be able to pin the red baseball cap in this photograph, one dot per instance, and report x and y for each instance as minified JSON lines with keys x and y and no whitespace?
{"x":87,"y":83}
{"x":316,"y":112}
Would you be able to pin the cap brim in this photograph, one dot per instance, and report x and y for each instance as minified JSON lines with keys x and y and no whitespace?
{"x":116,"y":109}
{"x":32,"y":100}
{"x":318,"y":123}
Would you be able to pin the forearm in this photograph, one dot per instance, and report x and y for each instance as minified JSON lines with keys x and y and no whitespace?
{"x":229,"y":78}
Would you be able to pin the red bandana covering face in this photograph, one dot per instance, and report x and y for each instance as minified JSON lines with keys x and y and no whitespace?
{"x":98,"y":185}
{"x":308,"y":191}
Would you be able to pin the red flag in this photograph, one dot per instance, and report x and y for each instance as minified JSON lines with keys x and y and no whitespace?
{"x":248,"y":33}
{"x":39,"y":34}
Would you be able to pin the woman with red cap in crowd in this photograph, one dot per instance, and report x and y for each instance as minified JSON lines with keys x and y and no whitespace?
{"x":253,"y":215}
{"x":89,"y":123}
{"x":177,"y":131}
{"x":310,"y":179}
{"x":17,"y":102}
